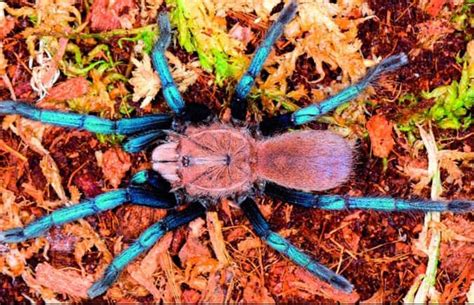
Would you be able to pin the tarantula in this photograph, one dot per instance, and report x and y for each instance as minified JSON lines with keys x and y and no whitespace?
{"x":206,"y":162}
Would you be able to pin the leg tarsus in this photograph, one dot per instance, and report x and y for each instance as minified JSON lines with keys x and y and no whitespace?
{"x":283,"y":246}
{"x":146,"y":240}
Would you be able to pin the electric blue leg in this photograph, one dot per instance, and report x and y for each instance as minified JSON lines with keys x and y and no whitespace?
{"x":280,"y":244}
{"x":146,"y":240}
{"x":87,"y":122}
{"x":239,"y":104}
{"x":337,"y":202}
{"x":103,"y":202}
{"x":170,"y":90}
{"x":140,"y":141}
{"x":310,"y":113}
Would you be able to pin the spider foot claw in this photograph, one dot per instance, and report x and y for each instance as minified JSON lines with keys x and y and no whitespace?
{"x":12,"y":236}
{"x":101,"y":286}
{"x":341,"y":283}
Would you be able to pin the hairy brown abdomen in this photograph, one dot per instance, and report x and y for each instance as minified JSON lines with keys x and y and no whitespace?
{"x":312,"y":160}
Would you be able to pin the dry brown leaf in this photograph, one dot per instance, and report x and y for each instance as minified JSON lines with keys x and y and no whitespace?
{"x":193,"y":248}
{"x":380,"y":132}
{"x":115,"y":164}
{"x":108,"y":15}
{"x":51,"y":172}
{"x":214,"y":227}
{"x":63,"y":281}
{"x":431,"y":31}
{"x":297,"y":282}
{"x":255,"y":292}
{"x":143,"y":272}
{"x":6,"y":26}
{"x":248,"y":244}
{"x":69,"y":89}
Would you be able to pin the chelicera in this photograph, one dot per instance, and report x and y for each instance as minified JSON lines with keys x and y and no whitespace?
{"x":208,"y":161}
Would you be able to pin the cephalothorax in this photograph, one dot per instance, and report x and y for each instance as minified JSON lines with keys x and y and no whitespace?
{"x":210,"y":161}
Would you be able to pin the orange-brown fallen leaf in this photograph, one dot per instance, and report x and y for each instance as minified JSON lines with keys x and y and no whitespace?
{"x":143,"y":272}
{"x":69,"y":89}
{"x":255,"y":292}
{"x":108,"y":15}
{"x":193,"y":248}
{"x":294,"y":281}
{"x":380,"y":132}
{"x":6,"y":26}
{"x":433,"y":7}
{"x":115,"y":163}
{"x":63,"y":281}
{"x":431,"y":31}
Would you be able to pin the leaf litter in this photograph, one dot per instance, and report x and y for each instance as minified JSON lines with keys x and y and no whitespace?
{"x":101,"y":52}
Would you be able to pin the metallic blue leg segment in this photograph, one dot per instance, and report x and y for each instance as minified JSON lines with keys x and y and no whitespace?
{"x":86,"y":208}
{"x":239,"y":104}
{"x":310,"y":113}
{"x":280,"y":244}
{"x":337,"y":202}
{"x":140,"y":141}
{"x":87,"y":122}
{"x":170,"y":90}
{"x":146,"y":240}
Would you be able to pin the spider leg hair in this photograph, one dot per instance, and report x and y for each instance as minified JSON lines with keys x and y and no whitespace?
{"x":238,"y":103}
{"x":280,"y":244}
{"x":312,"y":112}
{"x":141,"y":141}
{"x":338,"y":202}
{"x":170,"y":90}
{"x":146,"y":240}
{"x":87,"y":122}
{"x":101,"y":203}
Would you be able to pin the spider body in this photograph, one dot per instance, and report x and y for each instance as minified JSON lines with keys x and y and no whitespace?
{"x":220,"y":160}
{"x":213,"y":161}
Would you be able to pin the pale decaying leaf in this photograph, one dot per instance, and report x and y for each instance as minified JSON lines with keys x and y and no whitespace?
{"x":217,"y":240}
{"x":146,"y":83}
{"x":143,"y":272}
{"x":449,"y":160}
{"x":296,"y":282}
{"x":69,"y":89}
{"x":53,"y":17}
{"x":46,"y":72}
{"x":115,"y":163}
{"x":255,"y":293}
{"x":380,"y":132}
{"x":7,"y":23}
{"x":69,"y":282}
{"x":32,"y":134}
{"x":88,"y":238}
{"x":431,"y":31}
{"x":108,"y":15}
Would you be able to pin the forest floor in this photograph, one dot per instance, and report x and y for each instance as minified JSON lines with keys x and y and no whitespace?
{"x":413,"y":137}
